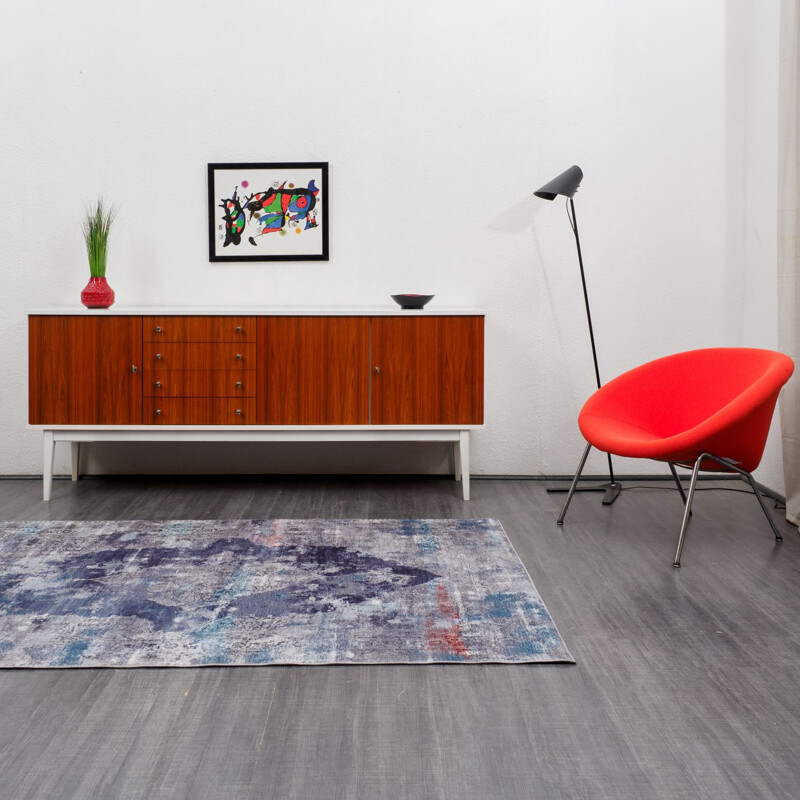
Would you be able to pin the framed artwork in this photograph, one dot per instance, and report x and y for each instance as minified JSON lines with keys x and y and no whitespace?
{"x":268,"y":212}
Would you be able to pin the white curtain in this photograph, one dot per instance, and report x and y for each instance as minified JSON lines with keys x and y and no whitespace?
{"x":788,"y":251}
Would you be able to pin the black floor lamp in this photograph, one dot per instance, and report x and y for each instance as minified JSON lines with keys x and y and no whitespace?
{"x":566,"y":184}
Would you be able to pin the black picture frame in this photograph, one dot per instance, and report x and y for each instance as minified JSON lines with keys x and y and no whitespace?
{"x":268,"y":211}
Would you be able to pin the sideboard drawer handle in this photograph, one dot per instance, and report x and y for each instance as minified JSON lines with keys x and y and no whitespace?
{"x":239,"y":357}
{"x":158,"y":412}
{"x":239,"y":385}
{"x":158,"y":329}
{"x":238,"y":412}
{"x":238,"y":329}
{"x":158,"y":384}
{"x":158,"y":356}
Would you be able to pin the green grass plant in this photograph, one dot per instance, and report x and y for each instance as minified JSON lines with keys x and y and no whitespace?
{"x":97,"y":224}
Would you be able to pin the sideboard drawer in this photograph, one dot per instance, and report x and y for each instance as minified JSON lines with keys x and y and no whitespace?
{"x":199,"y":411}
{"x":198,"y":329}
{"x":198,"y":355}
{"x":199,"y":382}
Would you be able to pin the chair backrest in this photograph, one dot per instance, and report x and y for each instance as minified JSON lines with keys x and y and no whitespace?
{"x":679,"y":392}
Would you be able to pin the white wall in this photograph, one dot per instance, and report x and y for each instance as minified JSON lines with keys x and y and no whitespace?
{"x":438,"y":120}
{"x":752,"y":163}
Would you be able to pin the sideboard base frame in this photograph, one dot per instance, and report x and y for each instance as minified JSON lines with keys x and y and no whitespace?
{"x":458,"y":435}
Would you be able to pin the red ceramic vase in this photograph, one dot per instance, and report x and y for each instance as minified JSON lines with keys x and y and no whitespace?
{"x":97,"y":294}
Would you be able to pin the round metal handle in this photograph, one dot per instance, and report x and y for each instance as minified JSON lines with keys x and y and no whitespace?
{"x":158,"y":329}
{"x":239,"y":385}
{"x":377,"y":370}
{"x":158,"y":384}
{"x":158,"y":356}
{"x":158,"y":412}
{"x":239,"y":356}
{"x":238,"y":329}
{"x":238,"y":412}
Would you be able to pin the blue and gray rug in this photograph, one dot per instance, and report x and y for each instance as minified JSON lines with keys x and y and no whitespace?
{"x":192,"y":593}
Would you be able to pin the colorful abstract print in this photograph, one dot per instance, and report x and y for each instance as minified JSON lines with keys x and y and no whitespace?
{"x":281,"y":208}
{"x":192,"y":593}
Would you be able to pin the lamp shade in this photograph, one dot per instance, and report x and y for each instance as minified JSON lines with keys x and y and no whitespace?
{"x":566,"y":184}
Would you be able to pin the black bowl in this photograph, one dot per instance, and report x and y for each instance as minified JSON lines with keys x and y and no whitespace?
{"x":410,"y":301}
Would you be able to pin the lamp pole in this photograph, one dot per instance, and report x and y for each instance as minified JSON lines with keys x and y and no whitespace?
{"x":574,"y":222}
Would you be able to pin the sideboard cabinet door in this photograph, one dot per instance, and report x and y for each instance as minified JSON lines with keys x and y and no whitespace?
{"x":81,"y":370}
{"x":427,"y":370}
{"x":313,"y":371}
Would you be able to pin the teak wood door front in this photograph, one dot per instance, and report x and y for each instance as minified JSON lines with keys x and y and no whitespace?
{"x":81,"y":370}
{"x":427,"y":370}
{"x":313,"y":371}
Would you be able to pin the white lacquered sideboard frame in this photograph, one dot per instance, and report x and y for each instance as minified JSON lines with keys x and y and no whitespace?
{"x":458,"y":435}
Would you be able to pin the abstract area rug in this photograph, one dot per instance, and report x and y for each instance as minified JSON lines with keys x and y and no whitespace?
{"x":192,"y":593}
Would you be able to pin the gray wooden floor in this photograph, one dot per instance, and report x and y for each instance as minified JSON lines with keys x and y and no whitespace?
{"x":687,"y":683}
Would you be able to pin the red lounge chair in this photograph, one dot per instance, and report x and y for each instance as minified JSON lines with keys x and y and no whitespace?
{"x":705,"y":410}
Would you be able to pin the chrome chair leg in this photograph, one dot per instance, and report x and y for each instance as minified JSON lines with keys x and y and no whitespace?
{"x":735,"y":468}
{"x":751,"y":479}
{"x":754,"y":486}
{"x":687,"y":511}
{"x":574,"y":484}
{"x":677,"y":481}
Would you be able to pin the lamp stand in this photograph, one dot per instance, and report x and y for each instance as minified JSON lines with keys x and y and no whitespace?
{"x":612,"y":488}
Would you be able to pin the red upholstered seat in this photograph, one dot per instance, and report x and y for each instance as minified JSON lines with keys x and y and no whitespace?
{"x":708,"y":408}
{"x":719,"y":400}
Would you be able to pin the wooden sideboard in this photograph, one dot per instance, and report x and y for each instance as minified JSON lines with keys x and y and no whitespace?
{"x":173,"y":375}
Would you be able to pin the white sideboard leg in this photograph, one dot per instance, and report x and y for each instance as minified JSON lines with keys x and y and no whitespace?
{"x":457,"y":460}
{"x":47,"y":471}
{"x":463,"y":453}
{"x":76,"y":459}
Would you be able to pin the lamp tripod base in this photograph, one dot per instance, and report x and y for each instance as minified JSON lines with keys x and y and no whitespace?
{"x":611,"y":490}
